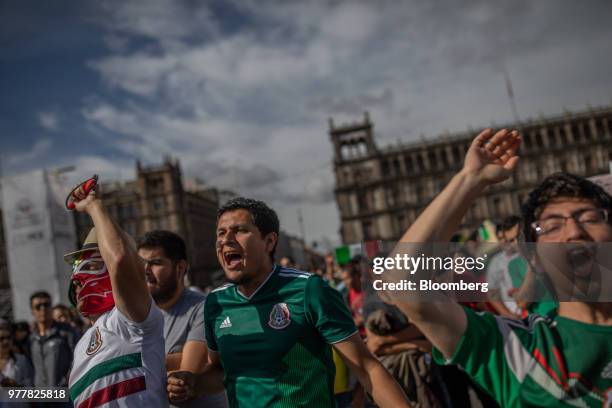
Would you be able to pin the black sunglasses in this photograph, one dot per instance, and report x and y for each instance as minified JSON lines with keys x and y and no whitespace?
{"x":41,"y":305}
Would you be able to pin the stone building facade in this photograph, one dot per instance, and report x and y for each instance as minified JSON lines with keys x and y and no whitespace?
{"x":380,"y":191}
{"x":157,"y":200}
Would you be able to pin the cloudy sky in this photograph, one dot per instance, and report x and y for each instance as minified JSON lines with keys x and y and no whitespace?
{"x":240,"y":91}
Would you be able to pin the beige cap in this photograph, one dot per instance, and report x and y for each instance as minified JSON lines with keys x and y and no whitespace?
{"x":91,"y":242}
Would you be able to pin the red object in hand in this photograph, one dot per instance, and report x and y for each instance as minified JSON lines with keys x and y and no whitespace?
{"x":87,"y":187}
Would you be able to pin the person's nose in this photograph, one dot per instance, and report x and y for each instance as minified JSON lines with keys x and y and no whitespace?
{"x":573,"y":231}
{"x":227,"y":238}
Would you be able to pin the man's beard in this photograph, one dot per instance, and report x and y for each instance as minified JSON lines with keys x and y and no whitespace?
{"x":240,"y":280}
{"x":165,"y":291}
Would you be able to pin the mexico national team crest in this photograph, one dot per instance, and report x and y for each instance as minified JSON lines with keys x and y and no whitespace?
{"x":279,"y":316}
{"x":95,"y":342}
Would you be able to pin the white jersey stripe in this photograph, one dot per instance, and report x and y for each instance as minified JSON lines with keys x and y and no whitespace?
{"x":286,"y":275}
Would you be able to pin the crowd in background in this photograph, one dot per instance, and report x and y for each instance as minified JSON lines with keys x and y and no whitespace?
{"x":401,"y":347}
{"x":39,"y":353}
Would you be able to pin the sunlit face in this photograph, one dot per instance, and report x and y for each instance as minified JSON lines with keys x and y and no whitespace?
{"x":510,"y":240}
{"x":41,"y":309}
{"x":61,"y":315}
{"x":241,"y":249}
{"x":163,"y":275}
{"x":566,"y":247}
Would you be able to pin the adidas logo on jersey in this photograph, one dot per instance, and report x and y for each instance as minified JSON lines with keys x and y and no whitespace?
{"x":226,"y":323}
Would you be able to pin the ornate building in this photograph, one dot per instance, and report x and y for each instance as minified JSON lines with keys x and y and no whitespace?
{"x":380,"y":191}
{"x":157,"y":200}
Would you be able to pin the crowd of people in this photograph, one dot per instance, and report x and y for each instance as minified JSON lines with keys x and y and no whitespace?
{"x":277,"y":336}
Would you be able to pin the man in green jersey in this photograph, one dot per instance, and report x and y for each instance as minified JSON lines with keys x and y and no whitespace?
{"x":561,"y":360}
{"x":272,"y":329}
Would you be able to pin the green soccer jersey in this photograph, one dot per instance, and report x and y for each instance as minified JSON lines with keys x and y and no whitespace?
{"x":274,"y":346}
{"x":546,"y":305}
{"x":539,"y":362}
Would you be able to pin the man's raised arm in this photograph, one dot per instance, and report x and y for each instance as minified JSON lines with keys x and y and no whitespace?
{"x":490,"y":159}
{"x":125,"y":268}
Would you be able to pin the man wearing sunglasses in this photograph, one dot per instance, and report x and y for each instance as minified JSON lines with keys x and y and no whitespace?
{"x":565,"y":360}
{"x":51,"y":344}
{"x":119,"y":361}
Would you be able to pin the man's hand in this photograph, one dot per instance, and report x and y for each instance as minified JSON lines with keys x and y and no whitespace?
{"x":82,"y":200}
{"x":181,"y":386}
{"x":375,"y":343}
{"x":492,"y":157}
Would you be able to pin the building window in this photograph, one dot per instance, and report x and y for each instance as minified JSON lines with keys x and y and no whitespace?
{"x":456,"y":154}
{"x":400,"y":224}
{"x":588,"y":135}
{"x":385,"y":167}
{"x":159,"y":203}
{"x":156,"y":184}
{"x":362,"y":202}
{"x":130,"y":211}
{"x":419,"y":191}
{"x":497,"y":207}
{"x":433,"y":162}
{"x":420,"y":165}
{"x":368,"y":230}
{"x":409,"y":165}
{"x":575,"y":133}
{"x":528,"y":141}
{"x":600,"y":129}
{"x":538,"y":140}
{"x":563,"y":136}
{"x":588,"y":164}
{"x":396,"y":167}
{"x":344,"y":152}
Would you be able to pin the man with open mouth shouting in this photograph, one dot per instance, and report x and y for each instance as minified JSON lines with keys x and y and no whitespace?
{"x":565,"y":360}
{"x":119,"y":361}
{"x":271,"y":329}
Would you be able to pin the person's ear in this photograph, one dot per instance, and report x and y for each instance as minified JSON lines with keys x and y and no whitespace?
{"x":182,"y":266}
{"x":270,"y":241}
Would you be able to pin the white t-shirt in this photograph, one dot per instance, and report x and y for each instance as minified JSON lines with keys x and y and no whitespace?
{"x":120,"y":363}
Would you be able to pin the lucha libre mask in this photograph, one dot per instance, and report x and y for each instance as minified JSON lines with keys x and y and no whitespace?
{"x":89,"y":271}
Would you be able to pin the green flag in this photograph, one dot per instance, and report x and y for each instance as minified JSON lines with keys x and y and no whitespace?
{"x":343,"y":255}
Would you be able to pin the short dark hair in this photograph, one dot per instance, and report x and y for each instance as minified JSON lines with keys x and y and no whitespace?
{"x":21,"y":325}
{"x":509,"y":222}
{"x":560,"y":184}
{"x":40,"y":294}
{"x":264,"y":218}
{"x":172,"y":244}
{"x":61,"y":307}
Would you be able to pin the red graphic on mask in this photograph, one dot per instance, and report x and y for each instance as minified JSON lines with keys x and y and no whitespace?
{"x":96,"y":293}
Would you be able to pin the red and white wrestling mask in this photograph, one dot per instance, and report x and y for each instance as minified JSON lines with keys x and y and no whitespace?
{"x":90,"y":274}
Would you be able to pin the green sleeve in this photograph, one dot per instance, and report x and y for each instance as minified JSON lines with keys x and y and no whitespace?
{"x":481,"y":354}
{"x":209,"y":326}
{"x":327,"y":312}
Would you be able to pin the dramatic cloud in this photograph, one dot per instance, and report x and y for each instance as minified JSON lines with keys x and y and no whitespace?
{"x":240,"y":91}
